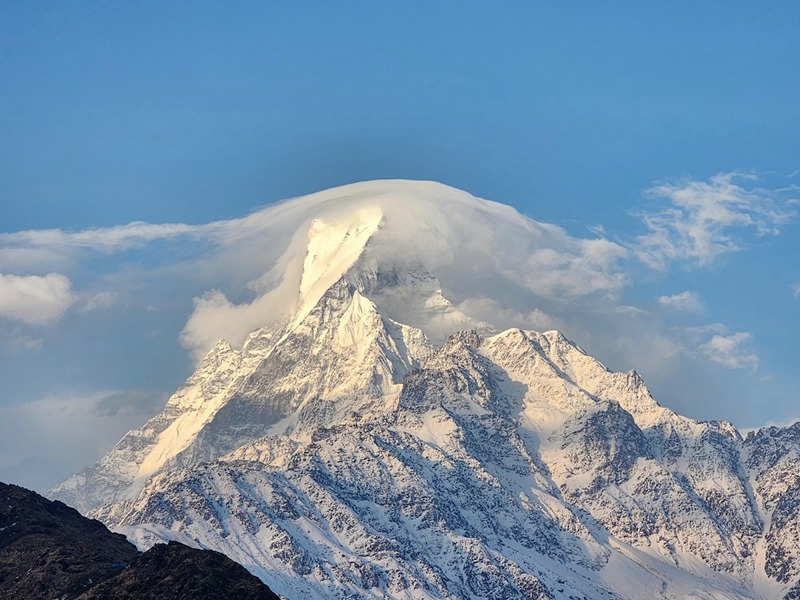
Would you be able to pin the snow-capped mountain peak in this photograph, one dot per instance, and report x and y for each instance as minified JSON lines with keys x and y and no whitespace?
{"x":380,"y":442}
{"x":332,"y":248}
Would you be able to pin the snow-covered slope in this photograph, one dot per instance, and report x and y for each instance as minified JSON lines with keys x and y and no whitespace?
{"x":356,"y":449}
{"x":340,"y":362}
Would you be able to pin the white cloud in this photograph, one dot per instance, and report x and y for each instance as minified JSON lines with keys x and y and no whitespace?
{"x":109,"y":239}
{"x":704,"y":220}
{"x":33,"y":299}
{"x":491,"y":311}
{"x":796,"y":290}
{"x":100,"y":301}
{"x":731,"y":350}
{"x":215,"y":317}
{"x":574,"y":268}
{"x":685,"y":301}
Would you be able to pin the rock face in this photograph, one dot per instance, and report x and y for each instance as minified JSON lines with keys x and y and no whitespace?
{"x":48,"y":550}
{"x":353,"y":452}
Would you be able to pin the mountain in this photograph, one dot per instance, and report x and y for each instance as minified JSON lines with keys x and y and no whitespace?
{"x":48,"y":550}
{"x":379,"y":441}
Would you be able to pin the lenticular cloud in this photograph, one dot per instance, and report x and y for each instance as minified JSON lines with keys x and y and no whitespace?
{"x":478,"y":249}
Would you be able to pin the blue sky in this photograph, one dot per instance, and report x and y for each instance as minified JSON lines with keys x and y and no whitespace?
{"x":594,"y":117}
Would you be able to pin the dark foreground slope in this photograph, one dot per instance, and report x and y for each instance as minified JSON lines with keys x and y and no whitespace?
{"x":49,"y":550}
{"x":179,"y":572}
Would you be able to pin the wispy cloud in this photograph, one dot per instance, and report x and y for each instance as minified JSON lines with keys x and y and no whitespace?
{"x":33,"y":299}
{"x":571,"y":268}
{"x":108,"y":239}
{"x":18,"y":340}
{"x":491,"y":311}
{"x":796,"y":290}
{"x":731,"y":350}
{"x":782,"y":424}
{"x":100,"y":301}
{"x":685,"y":301}
{"x":130,"y":403}
{"x":23,"y":258}
{"x":703,"y":220}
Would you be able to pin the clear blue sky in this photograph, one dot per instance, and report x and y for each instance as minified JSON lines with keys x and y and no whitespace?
{"x":193,"y":112}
